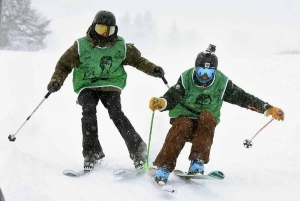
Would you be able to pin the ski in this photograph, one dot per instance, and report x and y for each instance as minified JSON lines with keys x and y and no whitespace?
{"x":121,"y":172}
{"x":72,"y":173}
{"x":166,"y":187}
{"x":214,"y":175}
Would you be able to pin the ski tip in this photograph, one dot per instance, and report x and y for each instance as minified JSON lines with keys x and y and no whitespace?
{"x":170,"y":190}
{"x":71,"y":173}
{"x":217,"y":174}
{"x":119,"y":172}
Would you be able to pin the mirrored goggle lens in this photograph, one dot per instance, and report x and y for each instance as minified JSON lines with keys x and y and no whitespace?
{"x":105,"y":30}
{"x":208,"y":71}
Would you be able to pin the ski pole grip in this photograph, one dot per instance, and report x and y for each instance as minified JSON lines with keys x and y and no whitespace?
{"x":47,"y":95}
{"x":165,"y":81}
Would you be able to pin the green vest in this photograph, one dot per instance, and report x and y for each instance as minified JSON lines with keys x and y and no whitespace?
{"x":100,"y":66}
{"x":198,"y":99}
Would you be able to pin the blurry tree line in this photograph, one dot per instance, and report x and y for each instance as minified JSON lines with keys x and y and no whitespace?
{"x":21,"y":27}
{"x":139,"y":29}
{"x":143,"y":29}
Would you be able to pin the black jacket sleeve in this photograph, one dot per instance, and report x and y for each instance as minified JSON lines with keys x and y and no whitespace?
{"x":237,"y":96}
{"x":174,"y":95}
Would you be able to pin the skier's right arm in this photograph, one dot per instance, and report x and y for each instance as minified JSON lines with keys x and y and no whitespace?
{"x":170,"y":99}
{"x":64,"y":67}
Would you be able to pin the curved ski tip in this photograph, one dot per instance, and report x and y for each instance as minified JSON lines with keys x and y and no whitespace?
{"x":119,"y":172}
{"x":217,"y":174}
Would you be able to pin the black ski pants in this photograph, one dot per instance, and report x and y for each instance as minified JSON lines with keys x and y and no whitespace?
{"x":111,"y":100}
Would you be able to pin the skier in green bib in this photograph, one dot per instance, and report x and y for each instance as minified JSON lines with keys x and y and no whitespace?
{"x":194,"y":105}
{"x":97,"y":61}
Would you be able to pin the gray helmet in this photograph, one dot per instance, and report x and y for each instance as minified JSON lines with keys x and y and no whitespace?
{"x":105,"y":17}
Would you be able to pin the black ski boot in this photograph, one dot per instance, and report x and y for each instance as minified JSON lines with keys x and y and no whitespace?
{"x":140,"y":157}
{"x":91,"y":160}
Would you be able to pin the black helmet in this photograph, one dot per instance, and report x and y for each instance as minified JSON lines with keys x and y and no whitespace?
{"x":105,"y":17}
{"x":206,"y":65}
{"x":207,"y":57}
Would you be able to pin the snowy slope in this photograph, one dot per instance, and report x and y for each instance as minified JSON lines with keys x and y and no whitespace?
{"x":31,"y":167}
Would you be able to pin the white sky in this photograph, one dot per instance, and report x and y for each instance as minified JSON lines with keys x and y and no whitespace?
{"x":260,"y":25}
{"x":274,"y":11}
{"x":31,"y":167}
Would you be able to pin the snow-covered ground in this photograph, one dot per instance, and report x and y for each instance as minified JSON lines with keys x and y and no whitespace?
{"x":31,"y":167}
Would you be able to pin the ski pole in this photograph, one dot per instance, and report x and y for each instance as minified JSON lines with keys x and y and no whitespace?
{"x":165,"y":81}
{"x":12,"y":137}
{"x":149,"y":141}
{"x":151,"y":125}
{"x":248,"y":143}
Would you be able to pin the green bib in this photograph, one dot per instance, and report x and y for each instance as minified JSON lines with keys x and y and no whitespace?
{"x":198,"y":99}
{"x":100,"y":67}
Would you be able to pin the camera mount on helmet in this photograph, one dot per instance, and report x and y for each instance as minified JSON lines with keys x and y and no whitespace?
{"x":211,"y":48}
{"x":207,"y":56}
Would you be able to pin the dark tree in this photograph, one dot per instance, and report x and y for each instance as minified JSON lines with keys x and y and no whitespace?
{"x":0,"y":11}
{"x":22,"y":28}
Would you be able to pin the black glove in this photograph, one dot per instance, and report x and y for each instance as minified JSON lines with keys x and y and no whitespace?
{"x":53,"y":86}
{"x":158,"y":72}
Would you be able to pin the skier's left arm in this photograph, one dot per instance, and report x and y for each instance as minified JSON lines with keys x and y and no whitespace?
{"x":134,"y":58}
{"x":235,"y":95}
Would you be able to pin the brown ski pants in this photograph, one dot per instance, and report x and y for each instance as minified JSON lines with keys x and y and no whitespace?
{"x":199,"y":132}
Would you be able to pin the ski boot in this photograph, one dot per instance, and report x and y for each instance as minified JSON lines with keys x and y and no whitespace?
{"x":196,"y":167}
{"x":140,"y":157}
{"x":91,"y":160}
{"x":162,"y":175}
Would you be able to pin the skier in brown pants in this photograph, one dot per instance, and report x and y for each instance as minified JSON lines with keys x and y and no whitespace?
{"x":194,"y":105}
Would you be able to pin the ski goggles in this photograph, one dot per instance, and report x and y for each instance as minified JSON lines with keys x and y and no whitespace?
{"x":105,"y":30}
{"x":210,"y":72}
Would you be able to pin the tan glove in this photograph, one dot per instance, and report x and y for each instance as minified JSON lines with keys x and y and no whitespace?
{"x":276,"y":113}
{"x":157,"y":104}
